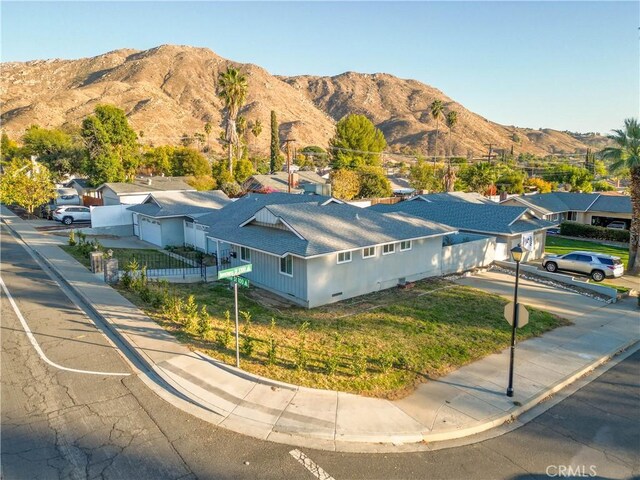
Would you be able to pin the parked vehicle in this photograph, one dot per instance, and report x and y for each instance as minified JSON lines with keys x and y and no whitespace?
{"x":69,"y":214}
{"x":597,"y":265}
{"x":618,"y":224}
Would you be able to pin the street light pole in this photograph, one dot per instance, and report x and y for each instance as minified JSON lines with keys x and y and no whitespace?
{"x":516,"y":253}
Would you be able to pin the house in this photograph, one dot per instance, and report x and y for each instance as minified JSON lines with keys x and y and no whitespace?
{"x":137,"y":191}
{"x":318,"y":251}
{"x":301,"y":182}
{"x":467,"y":197}
{"x":509,"y":225}
{"x":588,"y":208}
{"x":166,"y":218}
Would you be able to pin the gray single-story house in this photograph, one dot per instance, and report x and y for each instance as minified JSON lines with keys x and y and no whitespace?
{"x":510,"y":225}
{"x":587,"y":208}
{"x":166,"y":218}
{"x":136,"y":192}
{"x":301,"y":181}
{"x":318,"y":250}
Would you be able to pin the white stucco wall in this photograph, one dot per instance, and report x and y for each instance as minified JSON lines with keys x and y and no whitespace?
{"x":479,"y":252}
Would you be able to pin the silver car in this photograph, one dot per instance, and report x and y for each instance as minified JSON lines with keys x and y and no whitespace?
{"x":597,"y":265}
{"x":71,"y":213}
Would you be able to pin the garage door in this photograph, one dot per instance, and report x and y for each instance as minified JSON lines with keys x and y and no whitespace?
{"x":150,"y":231}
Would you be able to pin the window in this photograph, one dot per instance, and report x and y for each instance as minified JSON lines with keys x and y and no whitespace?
{"x":584,"y":258}
{"x":571,"y":256}
{"x":344,"y":257}
{"x":286,"y":265}
{"x":406,"y":245}
{"x":572,"y":216}
{"x":245,"y":254}
{"x":369,"y":252}
{"x":388,"y":248}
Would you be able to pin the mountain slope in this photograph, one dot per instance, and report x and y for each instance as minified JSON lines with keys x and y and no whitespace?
{"x":170,"y":90}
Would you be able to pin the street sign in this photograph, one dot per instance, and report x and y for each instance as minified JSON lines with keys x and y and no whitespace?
{"x":235,"y":271}
{"x":243,"y":282}
{"x":523,"y":314}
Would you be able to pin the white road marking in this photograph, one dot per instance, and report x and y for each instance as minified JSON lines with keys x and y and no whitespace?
{"x":34,"y":342}
{"x":310,"y":465}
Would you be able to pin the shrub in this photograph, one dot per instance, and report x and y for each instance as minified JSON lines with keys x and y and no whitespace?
{"x":223,"y":338}
{"x":72,"y":239}
{"x":272,"y":345}
{"x":301,"y":355}
{"x":248,"y":342}
{"x":574,"y":229}
{"x":190,"y":318}
{"x":174,"y":308}
{"x":204,"y":322}
{"x":358,"y":360}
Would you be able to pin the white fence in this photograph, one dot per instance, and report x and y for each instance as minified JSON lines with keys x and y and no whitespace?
{"x":111,"y":216}
{"x":469,"y":251}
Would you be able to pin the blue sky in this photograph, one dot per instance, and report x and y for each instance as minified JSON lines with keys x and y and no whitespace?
{"x":565,"y":65}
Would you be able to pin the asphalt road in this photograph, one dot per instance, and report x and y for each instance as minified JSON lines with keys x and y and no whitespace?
{"x":58,"y":423}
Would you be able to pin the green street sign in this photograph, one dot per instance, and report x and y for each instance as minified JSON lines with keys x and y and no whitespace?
{"x":243,"y":282}
{"x":235,"y":271}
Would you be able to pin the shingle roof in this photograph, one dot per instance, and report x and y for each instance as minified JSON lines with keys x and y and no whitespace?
{"x":171,"y":204}
{"x":327,"y":228}
{"x":158,"y":184}
{"x":279,"y":181}
{"x":246,"y":206}
{"x":484,"y":218}
{"x":468,"y":197}
{"x":612,"y":203}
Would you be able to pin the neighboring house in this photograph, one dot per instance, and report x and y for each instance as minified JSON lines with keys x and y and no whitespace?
{"x":137,"y":191}
{"x":81,"y":185}
{"x":301,"y":181}
{"x":166,"y":218}
{"x":468,"y":197}
{"x":320,"y":250}
{"x":588,"y":208}
{"x":509,"y":225}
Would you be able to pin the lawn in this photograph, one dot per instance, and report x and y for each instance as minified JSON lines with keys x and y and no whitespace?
{"x":380,"y":345}
{"x":150,"y":258}
{"x":559,"y":245}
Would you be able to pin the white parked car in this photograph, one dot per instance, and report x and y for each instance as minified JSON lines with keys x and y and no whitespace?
{"x":72,"y":213}
{"x":597,"y":265}
{"x":618,"y":224}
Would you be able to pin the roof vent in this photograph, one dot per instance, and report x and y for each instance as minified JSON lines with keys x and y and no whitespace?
{"x":357,"y":217}
{"x":148,"y":181}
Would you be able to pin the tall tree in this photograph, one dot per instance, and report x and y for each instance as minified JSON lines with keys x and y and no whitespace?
{"x":232,"y":88}
{"x":27,"y":184}
{"x":423,"y":176}
{"x":112,"y":146}
{"x":479,"y":176}
{"x":452,"y":120}
{"x":436,"y":109}
{"x":188,"y":161}
{"x":207,"y":131}
{"x":357,"y":142}
{"x":55,"y":149}
{"x":275,"y":143}
{"x":256,"y":130}
{"x":626,"y":154}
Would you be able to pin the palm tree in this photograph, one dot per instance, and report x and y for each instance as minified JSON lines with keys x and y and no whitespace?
{"x":626,"y":154}
{"x":436,"y":108}
{"x":256,"y":130}
{"x":232,"y":88}
{"x":207,"y":130}
{"x":452,"y":119}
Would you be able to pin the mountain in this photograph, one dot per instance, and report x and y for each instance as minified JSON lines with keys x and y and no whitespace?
{"x":170,"y":90}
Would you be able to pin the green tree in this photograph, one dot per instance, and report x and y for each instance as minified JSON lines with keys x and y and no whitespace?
{"x":27,"y":184}
{"x":436,"y":108}
{"x":256,"y":129}
{"x":55,"y":149}
{"x":512,"y":181}
{"x":317,"y":156}
{"x":451,"y":120}
{"x":159,"y":160}
{"x":373,"y":183}
{"x":478,"y":177}
{"x":424,"y":176}
{"x":207,"y":131}
{"x":8,"y":148}
{"x":345,"y":184}
{"x":111,"y":144}
{"x":187,"y":161}
{"x":275,"y":144}
{"x":232,"y":89}
{"x":577,"y":178}
{"x":626,"y":155}
{"x":357,"y":142}
{"x":243,"y":170}
{"x":202,"y":183}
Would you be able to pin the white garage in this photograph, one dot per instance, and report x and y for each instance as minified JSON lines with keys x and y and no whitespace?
{"x":150,"y":231}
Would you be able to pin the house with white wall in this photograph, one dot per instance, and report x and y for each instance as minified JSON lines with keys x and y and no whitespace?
{"x":167,"y":218}
{"x":317,"y":251}
{"x":133,"y":193}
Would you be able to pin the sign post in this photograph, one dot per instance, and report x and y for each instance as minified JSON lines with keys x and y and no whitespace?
{"x":234,"y":275}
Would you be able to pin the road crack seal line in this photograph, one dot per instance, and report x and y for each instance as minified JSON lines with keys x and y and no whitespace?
{"x":310,"y":465}
{"x":36,"y":346}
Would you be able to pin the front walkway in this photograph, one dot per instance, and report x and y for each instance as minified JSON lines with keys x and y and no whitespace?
{"x":469,"y":400}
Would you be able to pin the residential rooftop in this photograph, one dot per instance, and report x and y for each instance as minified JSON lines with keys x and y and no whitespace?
{"x":172,"y":204}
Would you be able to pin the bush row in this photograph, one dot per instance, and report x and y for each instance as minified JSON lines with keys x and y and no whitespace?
{"x":574,"y":229}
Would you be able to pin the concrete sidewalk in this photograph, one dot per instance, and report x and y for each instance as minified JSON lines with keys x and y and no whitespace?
{"x":470,"y":400}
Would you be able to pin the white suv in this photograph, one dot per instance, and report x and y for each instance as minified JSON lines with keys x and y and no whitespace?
{"x":72,"y":213}
{"x":618,"y":224}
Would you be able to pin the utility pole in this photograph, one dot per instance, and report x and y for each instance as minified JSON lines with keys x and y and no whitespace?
{"x":287,"y":144}
{"x":490,"y":145}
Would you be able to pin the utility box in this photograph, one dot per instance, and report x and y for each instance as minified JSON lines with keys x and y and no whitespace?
{"x":111,"y":271}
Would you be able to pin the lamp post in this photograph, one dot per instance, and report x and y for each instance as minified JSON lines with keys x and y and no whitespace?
{"x":516,"y":254}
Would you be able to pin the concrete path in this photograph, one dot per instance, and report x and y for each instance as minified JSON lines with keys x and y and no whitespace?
{"x":468,"y":401}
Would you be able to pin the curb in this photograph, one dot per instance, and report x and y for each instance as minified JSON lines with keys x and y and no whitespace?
{"x":408,"y":442}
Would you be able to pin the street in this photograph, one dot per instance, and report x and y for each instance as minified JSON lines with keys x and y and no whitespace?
{"x":78,"y":409}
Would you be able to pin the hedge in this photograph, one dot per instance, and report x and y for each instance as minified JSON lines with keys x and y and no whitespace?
{"x":574,"y":229}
